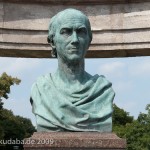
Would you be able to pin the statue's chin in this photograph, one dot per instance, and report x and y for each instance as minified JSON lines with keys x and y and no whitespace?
{"x":75,"y":58}
{"x":71,"y":58}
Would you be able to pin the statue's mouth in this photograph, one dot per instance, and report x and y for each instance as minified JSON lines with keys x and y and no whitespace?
{"x":74,"y":49}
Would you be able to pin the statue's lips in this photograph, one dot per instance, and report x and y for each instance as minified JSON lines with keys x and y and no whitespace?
{"x":74,"y":50}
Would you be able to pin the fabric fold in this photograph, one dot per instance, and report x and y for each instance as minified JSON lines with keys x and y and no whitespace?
{"x":87,"y":109}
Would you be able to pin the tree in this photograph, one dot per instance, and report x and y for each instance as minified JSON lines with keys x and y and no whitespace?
{"x":26,"y":125}
{"x":121,"y":119}
{"x":120,"y":116}
{"x":11,"y":126}
{"x":144,"y":125}
{"x":6,"y":82}
{"x":1,"y":132}
{"x":135,"y":131}
{"x":15,"y":127}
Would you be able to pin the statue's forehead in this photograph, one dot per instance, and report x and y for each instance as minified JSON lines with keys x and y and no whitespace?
{"x":72,"y":20}
{"x":70,"y":13}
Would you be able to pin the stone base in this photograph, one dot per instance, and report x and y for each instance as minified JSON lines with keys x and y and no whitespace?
{"x":74,"y":141}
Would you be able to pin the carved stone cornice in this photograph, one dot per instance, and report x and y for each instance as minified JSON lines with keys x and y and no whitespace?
{"x":77,"y":2}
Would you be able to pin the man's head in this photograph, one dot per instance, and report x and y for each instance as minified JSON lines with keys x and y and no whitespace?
{"x":69,"y":34}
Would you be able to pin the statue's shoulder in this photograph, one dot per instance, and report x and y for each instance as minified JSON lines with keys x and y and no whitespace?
{"x":42,"y":81}
{"x":102,"y":77}
{"x":98,"y":77}
{"x":102,"y":80}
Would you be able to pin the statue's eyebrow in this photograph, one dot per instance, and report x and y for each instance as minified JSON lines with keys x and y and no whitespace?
{"x":65,"y":28}
{"x":82,"y":26}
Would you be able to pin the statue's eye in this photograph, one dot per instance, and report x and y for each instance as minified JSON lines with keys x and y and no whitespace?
{"x":81,"y":31}
{"x":66,"y":31}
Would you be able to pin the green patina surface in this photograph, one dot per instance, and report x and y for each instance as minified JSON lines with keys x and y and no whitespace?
{"x":71,"y":99}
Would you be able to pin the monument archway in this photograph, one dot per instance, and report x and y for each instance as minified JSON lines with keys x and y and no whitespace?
{"x":120,"y":28}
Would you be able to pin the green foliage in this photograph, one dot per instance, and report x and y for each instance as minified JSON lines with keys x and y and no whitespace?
{"x":6,"y":82}
{"x":1,"y":104}
{"x":14,"y":127}
{"x":121,"y":117}
{"x":26,"y":125}
{"x":11,"y":126}
{"x":1,"y":132}
{"x":137,"y":132}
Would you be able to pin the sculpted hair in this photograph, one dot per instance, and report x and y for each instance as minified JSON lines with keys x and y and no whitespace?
{"x":54,"y":21}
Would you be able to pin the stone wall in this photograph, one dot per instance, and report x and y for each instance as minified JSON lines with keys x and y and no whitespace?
{"x":120,"y":28}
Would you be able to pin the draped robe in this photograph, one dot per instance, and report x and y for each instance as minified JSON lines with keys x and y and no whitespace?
{"x":87,"y":109}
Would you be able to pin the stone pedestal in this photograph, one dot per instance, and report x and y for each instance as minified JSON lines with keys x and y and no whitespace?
{"x":74,"y":141}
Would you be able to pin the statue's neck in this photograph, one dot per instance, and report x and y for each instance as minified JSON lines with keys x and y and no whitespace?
{"x":72,"y":72}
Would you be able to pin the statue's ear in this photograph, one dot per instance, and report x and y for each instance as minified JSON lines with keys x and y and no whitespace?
{"x":51,"y":42}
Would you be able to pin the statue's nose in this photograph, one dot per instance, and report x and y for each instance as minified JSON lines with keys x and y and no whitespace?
{"x":75,"y":39}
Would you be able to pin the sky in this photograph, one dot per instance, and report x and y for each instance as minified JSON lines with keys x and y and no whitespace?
{"x":130,"y":79}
